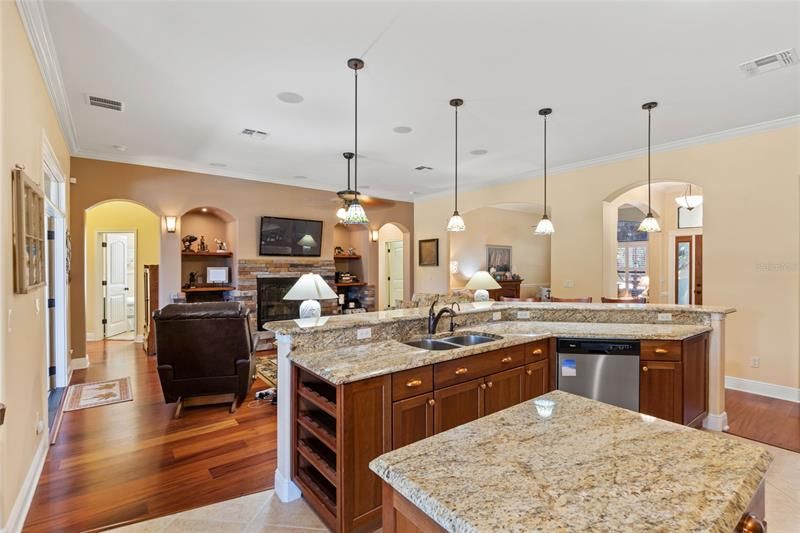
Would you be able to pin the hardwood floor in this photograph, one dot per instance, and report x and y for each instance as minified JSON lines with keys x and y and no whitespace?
{"x":767,"y":420}
{"x":132,"y":461}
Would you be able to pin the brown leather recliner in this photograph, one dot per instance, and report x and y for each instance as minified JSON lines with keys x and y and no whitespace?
{"x":204,"y":351}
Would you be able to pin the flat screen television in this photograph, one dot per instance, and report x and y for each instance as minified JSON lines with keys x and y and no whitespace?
{"x":290,"y":236}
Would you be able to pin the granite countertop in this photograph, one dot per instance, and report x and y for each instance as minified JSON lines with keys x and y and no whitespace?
{"x":587,"y":467}
{"x":354,"y":363}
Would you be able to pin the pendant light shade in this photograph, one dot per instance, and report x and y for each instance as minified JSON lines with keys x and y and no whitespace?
{"x":545,"y":225}
{"x":355,"y":213}
{"x":456,"y":223}
{"x":346,"y":194}
{"x":689,"y":201}
{"x":649,"y":224}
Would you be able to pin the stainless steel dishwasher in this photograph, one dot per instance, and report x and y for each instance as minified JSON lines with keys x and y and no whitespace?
{"x":606,"y":370}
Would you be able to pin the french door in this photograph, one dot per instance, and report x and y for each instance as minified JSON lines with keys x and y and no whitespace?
{"x":688,"y":270}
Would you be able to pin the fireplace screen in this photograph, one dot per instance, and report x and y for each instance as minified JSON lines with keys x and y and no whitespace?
{"x":271,"y":305}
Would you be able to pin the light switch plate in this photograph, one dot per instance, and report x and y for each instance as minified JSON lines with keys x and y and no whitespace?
{"x":665,"y":317}
{"x":523,"y":314}
{"x":363,"y":333}
{"x":497,"y":315}
{"x":569,"y":283}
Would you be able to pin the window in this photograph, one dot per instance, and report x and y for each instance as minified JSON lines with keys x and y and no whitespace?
{"x":631,"y":259}
{"x":54,"y":190}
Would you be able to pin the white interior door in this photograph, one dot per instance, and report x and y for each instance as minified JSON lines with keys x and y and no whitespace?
{"x":394,"y":271}
{"x":116,"y":278}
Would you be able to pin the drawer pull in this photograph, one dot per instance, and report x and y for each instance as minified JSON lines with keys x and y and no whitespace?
{"x":411,"y":383}
{"x":537,"y":351}
{"x":506,"y":359}
{"x":529,"y":372}
{"x":662,"y":350}
{"x":431,"y":402}
{"x":645,"y":369}
{"x":461,"y":371}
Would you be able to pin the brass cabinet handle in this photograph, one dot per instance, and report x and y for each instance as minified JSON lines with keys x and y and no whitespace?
{"x":662,"y":350}
{"x":483,"y":385}
{"x":489,"y":384}
{"x":413,"y":383}
{"x":529,"y":371}
{"x":537,"y":351}
{"x":750,"y":523}
{"x":645,"y":369}
{"x":460,"y":371}
{"x":431,"y":402}
{"x":506,"y":359}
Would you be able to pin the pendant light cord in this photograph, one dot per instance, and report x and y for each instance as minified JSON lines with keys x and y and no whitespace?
{"x":649,"y":130}
{"x":355,"y":165}
{"x":545,"y":165}
{"x":456,"y":162}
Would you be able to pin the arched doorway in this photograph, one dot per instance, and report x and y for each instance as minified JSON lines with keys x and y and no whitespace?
{"x":121,"y":237}
{"x":664,"y":267}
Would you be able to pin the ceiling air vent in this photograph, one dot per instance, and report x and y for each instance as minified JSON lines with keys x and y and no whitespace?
{"x":784,"y":58}
{"x":255,"y":134}
{"x":106,"y":103}
{"x":423,"y":168}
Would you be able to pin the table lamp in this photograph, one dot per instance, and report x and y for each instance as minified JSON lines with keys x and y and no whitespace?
{"x":310,"y":288}
{"x":482,"y":282}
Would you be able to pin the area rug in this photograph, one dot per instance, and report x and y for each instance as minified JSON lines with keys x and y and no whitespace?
{"x":87,"y":395}
{"x":267,"y":369}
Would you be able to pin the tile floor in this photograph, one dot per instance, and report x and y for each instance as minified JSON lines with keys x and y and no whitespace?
{"x":263,"y":512}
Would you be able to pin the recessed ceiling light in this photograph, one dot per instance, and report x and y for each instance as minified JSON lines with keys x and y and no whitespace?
{"x":119,"y":147}
{"x":423,"y":168}
{"x":479,"y":151}
{"x":290,"y":98}
{"x":402,"y":129}
{"x":300,"y":177}
{"x":217,"y":165}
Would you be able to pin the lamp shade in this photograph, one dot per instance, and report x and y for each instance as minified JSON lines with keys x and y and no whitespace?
{"x":649,"y":224}
{"x":689,"y":201}
{"x":307,"y":241}
{"x":544,"y":227}
{"x":482,"y":280}
{"x":310,"y":287}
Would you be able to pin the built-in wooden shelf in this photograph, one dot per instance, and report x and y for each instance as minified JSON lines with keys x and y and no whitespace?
{"x":355,"y":284}
{"x":324,"y":430}
{"x":345,"y":257}
{"x":207,"y":254}
{"x":318,"y":398}
{"x":221,"y":288}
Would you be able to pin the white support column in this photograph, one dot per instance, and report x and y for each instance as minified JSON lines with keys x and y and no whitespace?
{"x":285,"y":488}
{"x":717,"y":419}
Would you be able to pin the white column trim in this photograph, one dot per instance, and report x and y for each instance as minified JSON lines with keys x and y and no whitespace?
{"x":285,"y":488}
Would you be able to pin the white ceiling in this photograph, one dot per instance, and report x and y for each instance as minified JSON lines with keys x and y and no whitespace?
{"x":192,"y":75}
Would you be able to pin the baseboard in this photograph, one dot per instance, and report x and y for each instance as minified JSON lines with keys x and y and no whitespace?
{"x":780,"y":392}
{"x":139,"y":339}
{"x":79,"y":363}
{"x":92,"y":336}
{"x":285,"y":489}
{"x":16,"y":519}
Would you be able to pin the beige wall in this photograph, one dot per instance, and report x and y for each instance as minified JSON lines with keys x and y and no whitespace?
{"x":26,"y":118}
{"x":173,"y":192}
{"x":751,"y":266}
{"x":530,"y":254}
{"x":118,"y":216}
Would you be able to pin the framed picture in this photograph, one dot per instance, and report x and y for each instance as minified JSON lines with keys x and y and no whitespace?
{"x":428,"y":252}
{"x":498,"y":257}
{"x":29,"y":235}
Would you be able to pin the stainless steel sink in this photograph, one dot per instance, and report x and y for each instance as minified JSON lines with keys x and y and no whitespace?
{"x":433,"y":344}
{"x":470,"y":340}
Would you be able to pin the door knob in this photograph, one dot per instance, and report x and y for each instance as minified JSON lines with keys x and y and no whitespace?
{"x":489,"y":384}
{"x":529,"y":372}
{"x":645,"y":369}
{"x":483,"y":385}
{"x":431,"y":402}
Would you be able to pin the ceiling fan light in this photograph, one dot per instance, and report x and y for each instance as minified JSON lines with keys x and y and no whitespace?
{"x":544,"y":227}
{"x":341,"y":213}
{"x":456,"y":223}
{"x":355,"y":214}
{"x":649,"y":224}
{"x":689,"y":201}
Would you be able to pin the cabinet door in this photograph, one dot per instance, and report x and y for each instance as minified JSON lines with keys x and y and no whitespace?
{"x":412,"y":420}
{"x":660,"y":385}
{"x":504,"y":389}
{"x":458,"y":404}
{"x":536,"y":379}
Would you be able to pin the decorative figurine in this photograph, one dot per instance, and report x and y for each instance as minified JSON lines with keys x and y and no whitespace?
{"x":187,"y":243}
{"x":192,"y":279}
{"x":202,"y":246}
{"x":351,"y":251}
{"x":338,"y":251}
{"x":222,"y":246}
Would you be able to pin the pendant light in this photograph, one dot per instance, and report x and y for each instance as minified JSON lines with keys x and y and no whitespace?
{"x":348,"y":192}
{"x":456,"y":223}
{"x":355,"y":213}
{"x":649,"y":224}
{"x":689,"y":201}
{"x":545,"y":226}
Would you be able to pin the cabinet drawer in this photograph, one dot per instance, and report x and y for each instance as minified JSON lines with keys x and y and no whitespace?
{"x":536,"y":351}
{"x":411,"y":382}
{"x":477,"y":366}
{"x":661,"y":350}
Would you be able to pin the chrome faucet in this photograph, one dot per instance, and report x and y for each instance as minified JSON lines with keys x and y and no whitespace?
{"x":433,"y":318}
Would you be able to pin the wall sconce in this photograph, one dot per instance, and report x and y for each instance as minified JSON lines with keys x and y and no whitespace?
{"x":454,"y":267}
{"x":373,"y":235}
{"x":172,"y":224}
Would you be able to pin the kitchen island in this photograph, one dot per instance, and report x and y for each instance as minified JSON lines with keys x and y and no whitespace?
{"x":565,"y":463}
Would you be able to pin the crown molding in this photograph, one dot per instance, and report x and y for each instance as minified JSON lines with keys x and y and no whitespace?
{"x":717,"y":136}
{"x":34,"y":19}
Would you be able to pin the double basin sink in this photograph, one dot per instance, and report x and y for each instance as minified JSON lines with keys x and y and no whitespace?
{"x":451,"y":343}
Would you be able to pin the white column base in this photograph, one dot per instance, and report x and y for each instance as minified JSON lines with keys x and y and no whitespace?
{"x":716,"y":422}
{"x":285,"y":489}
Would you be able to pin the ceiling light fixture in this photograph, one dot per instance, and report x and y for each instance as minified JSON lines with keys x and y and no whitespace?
{"x":456,"y":223}
{"x":479,"y":151}
{"x":689,"y":201}
{"x":402,"y":129}
{"x":545,"y":225}
{"x":290,"y":98}
{"x":348,"y":192}
{"x":649,"y":224}
{"x":355,"y":213}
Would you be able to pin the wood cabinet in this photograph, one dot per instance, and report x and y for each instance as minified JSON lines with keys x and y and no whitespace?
{"x":504,"y":390}
{"x":509,"y":289}
{"x":458,"y":404}
{"x":412,"y":419}
{"x":660,"y":389}
{"x":536,"y":379}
